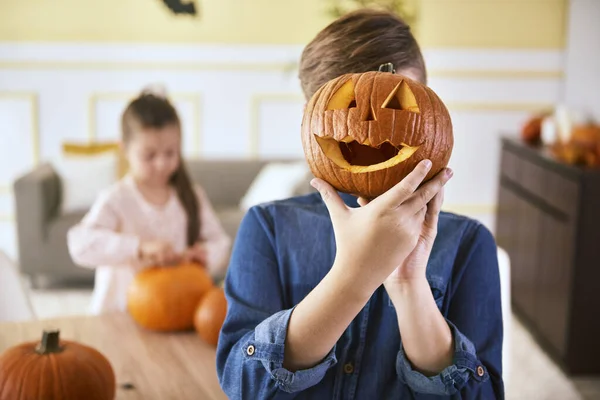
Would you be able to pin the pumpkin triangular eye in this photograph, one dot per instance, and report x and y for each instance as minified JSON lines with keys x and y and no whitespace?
{"x":401,"y":98}
{"x":343,"y":98}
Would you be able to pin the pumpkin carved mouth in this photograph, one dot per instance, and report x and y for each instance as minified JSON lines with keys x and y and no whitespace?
{"x":358,"y":157}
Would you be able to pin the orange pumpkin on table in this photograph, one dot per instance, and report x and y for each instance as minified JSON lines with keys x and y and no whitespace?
{"x":210,"y":315}
{"x":363,"y":133}
{"x":165,"y":298}
{"x":55,"y":370}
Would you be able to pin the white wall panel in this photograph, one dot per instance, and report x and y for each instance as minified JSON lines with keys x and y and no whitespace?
{"x":246,"y":101}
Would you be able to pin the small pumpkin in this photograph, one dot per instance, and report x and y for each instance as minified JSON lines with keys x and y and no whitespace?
{"x":583,"y":147}
{"x":586,"y":136}
{"x":210,"y":315}
{"x":55,"y":369}
{"x":165,"y":298}
{"x":363,"y":133}
{"x":531,"y":131}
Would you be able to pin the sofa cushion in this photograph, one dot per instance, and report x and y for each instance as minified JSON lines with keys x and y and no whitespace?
{"x":83,"y":177}
{"x":224,"y":181}
{"x":275,"y":181}
{"x":230,"y":218}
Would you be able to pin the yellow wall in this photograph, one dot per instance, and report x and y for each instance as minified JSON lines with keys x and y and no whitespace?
{"x":443,"y":23}
{"x":493,"y":23}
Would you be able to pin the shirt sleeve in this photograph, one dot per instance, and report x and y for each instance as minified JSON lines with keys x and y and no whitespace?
{"x":475,"y":320}
{"x":251,"y":345}
{"x":96,"y":241}
{"x":212,"y":234}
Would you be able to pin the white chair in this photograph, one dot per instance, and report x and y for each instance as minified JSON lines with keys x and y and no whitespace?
{"x":504,"y":266}
{"x":14,"y":300}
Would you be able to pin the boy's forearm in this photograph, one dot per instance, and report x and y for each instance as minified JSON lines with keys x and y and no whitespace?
{"x":320,"y":319}
{"x":426,"y":336}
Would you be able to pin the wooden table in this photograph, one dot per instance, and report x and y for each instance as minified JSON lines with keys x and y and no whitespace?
{"x":160,"y":366}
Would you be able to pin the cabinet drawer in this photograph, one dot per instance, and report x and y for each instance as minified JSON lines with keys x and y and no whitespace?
{"x":533,"y":178}
{"x":561,"y":193}
{"x":511,"y":165}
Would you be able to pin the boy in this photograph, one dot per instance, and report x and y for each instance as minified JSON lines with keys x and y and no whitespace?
{"x":330,"y":297}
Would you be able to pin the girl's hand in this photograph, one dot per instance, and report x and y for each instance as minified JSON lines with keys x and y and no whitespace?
{"x":197,"y":253}
{"x":372,"y":241}
{"x":158,"y":253}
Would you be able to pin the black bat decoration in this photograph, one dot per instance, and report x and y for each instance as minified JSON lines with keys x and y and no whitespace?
{"x":179,"y":7}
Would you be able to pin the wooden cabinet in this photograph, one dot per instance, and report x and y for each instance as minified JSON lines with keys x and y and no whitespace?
{"x":548,"y":220}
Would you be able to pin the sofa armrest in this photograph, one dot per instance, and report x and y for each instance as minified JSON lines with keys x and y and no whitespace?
{"x":37,"y":201}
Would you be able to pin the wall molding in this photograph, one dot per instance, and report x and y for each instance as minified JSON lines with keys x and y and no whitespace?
{"x":194,"y":98}
{"x":495,"y":74}
{"x":289,"y":67}
{"x":145,"y":65}
{"x":472,"y":63}
{"x":34,"y":115}
{"x":255,"y":103}
{"x":532,"y":107}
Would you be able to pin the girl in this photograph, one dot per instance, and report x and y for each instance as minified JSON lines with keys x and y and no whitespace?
{"x":153,"y":216}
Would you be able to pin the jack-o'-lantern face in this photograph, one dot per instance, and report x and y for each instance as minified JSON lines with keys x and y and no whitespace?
{"x":363,"y":133}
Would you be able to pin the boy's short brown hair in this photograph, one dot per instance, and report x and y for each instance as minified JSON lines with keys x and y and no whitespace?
{"x":359,"y":42}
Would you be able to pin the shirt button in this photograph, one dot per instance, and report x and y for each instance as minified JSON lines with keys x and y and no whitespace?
{"x":348,"y":368}
{"x":250,"y":350}
{"x":480,"y":371}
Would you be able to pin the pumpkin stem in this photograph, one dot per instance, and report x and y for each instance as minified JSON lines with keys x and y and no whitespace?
{"x":387,"y":67}
{"x":49,"y":343}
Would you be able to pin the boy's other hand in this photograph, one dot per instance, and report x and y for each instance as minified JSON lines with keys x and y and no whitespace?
{"x":158,"y":253}
{"x":373,"y":240}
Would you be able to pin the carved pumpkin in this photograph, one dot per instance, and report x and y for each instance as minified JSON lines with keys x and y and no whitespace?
{"x":165,"y":298}
{"x":55,"y":370}
{"x":210,"y":315}
{"x":363,"y":133}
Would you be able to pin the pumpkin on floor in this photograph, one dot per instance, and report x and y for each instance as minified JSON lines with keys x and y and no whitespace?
{"x":165,"y":298}
{"x":210,"y":315}
{"x":55,"y":369}
{"x":363,"y":133}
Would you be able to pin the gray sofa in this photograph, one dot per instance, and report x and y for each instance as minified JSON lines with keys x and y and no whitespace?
{"x":42,"y":229}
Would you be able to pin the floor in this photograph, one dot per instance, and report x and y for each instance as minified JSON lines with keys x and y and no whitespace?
{"x":532,"y":375}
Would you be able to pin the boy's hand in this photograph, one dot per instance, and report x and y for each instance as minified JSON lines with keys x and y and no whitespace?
{"x":197,"y":253}
{"x":373,"y":240}
{"x":415,"y":264}
{"x":157,"y":253}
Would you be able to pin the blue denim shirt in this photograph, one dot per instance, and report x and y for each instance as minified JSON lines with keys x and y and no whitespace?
{"x":283,"y":250}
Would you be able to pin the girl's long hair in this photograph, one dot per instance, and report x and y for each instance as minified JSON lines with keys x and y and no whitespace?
{"x":154,"y":111}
